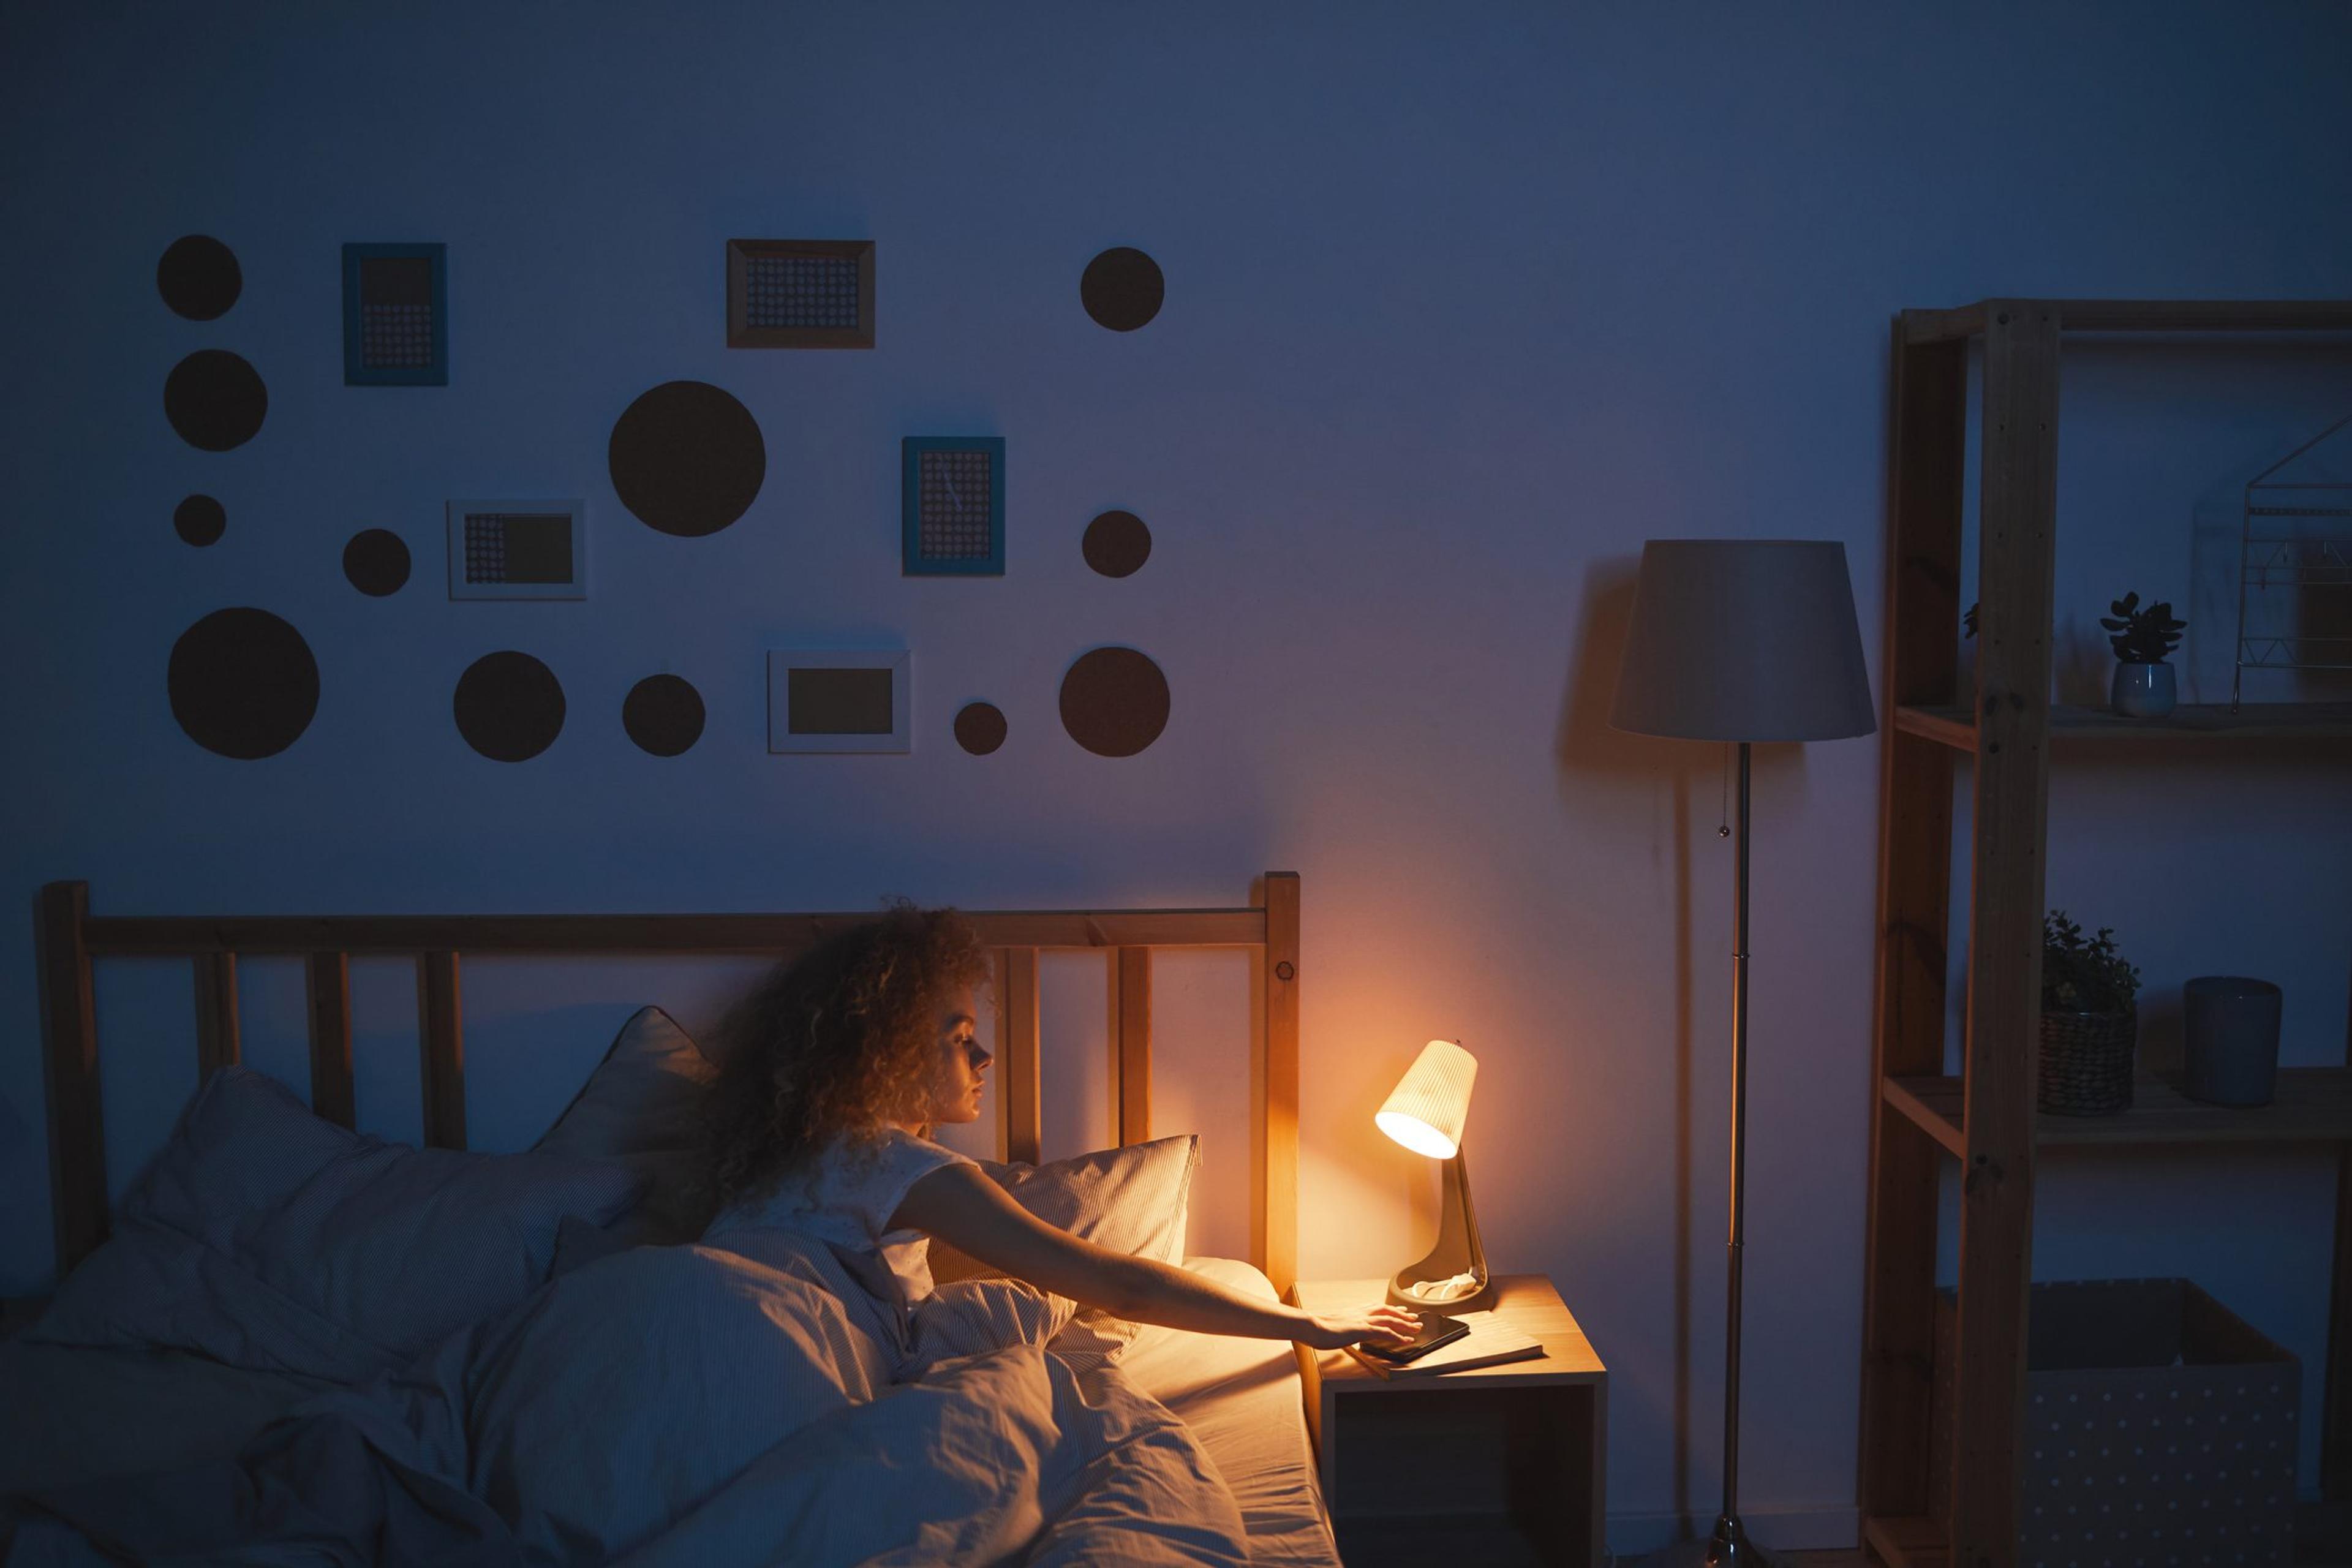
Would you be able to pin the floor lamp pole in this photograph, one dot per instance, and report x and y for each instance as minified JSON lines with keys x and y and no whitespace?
{"x":1730,"y":1545}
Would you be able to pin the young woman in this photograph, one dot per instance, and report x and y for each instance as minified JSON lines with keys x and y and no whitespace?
{"x":837,"y":1068}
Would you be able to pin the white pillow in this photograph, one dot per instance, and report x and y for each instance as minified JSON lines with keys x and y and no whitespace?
{"x":1136,"y":1200}
{"x":642,"y":1106}
{"x":267,"y":1238}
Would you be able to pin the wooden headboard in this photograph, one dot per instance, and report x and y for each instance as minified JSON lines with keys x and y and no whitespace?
{"x":72,"y":938}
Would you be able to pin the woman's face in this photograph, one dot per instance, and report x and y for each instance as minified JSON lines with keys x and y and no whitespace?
{"x":956,"y":1080}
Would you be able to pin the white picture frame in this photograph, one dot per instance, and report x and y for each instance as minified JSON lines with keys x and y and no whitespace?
{"x":537,"y":581}
{"x":839,"y":715}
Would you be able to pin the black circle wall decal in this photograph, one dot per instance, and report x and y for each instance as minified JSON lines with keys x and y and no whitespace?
{"x":215,"y":400}
{"x":1122,"y":289}
{"x":687,"y":458}
{"x":198,"y":277}
{"x":978,"y":728}
{"x":376,"y":561}
{"x":663,"y":714}
{"x":243,"y":684}
{"x":509,"y":706}
{"x":1117,"y":545}
{"x":1114,"y":701}
{"x":200,"y":520}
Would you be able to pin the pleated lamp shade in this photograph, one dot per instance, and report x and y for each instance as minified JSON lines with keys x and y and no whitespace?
{"x":1744,"y":639}
{"x":1425,"y":1110}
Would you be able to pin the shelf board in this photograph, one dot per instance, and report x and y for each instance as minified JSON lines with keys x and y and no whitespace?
{"x":1906,"y":1541}
{"x":2145,"y":316}
{"x":2314,"y":1105}
{"x":2205,"y":723}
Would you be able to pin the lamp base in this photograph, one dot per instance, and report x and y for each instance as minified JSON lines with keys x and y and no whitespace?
{"x":1456,"y":1254}
{"x":1727,"y":1548}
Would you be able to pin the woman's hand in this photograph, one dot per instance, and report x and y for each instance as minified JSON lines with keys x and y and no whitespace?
{"x":1380,"y":1326}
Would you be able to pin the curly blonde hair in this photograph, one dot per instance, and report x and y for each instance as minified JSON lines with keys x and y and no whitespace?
{"x":836,"y":1043}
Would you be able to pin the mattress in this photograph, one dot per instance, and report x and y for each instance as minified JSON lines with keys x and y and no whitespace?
{"x":1244,"y":1399}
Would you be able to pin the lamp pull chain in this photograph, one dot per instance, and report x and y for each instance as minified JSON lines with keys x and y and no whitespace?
{"x":1723,"y":804}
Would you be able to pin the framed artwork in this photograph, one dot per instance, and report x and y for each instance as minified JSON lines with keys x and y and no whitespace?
{"x":395,"y":315}
{"x":839,"y":700}
{"x":800,"y":293}
{"x":518,"y":550}
{"x":952,"y":506}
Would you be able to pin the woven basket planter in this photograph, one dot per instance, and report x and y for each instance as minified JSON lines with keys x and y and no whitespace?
{"x":2086,"y":1063}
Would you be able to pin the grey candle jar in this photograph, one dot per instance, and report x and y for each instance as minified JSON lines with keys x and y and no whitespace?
{"x":2231,"y":1039}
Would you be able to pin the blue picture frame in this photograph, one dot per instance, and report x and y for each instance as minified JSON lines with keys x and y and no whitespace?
{"x":916,"y":560}
{"x":424,"y":359}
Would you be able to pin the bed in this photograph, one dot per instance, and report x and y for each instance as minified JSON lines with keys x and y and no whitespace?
{"x":93,"y":1414}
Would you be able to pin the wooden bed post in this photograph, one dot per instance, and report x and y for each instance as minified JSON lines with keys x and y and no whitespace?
{"x":1277,"y":1207}
{"x":218,"y":1041}
{"x":329,"y":976}
{"x":441,"y":1040}
{"x":1016,"y":1052}
{"x":1131,"y":1066}
{"x":70,"y":1028}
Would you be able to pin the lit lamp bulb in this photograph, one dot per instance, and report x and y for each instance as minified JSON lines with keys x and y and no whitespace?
{"x":1425,"y":1112}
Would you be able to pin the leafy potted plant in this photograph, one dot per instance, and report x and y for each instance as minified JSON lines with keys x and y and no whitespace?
{"x":2144,"y":687}
{"x":2089,"y":1021}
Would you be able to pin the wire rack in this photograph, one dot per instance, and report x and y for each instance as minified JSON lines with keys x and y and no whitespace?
{"x":2295,"y":538}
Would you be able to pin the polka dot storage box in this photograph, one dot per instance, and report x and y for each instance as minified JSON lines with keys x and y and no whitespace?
{"x":2160,"y":1429}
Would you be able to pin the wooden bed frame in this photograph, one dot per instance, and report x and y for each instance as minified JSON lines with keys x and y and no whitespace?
{"x":72,"y":938}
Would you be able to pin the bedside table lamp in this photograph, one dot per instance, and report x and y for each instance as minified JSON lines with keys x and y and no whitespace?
{"x":1424,"y":1113}
{"x":1745,"y":640}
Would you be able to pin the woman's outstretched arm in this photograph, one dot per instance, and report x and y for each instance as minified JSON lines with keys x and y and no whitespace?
{"x":959,"y":1206}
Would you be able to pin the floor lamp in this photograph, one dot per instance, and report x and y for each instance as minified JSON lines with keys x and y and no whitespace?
{"x":1741,"y":640}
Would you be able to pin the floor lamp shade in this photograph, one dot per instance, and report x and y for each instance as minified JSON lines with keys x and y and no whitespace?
{"x":1744,"y":639}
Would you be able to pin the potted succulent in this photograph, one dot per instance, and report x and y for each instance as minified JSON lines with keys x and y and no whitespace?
{"x":2089,"y":1021}
{"x":2144,"y":687}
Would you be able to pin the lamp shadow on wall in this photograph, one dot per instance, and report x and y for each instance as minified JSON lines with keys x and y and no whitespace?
{"x":1608,"y":775}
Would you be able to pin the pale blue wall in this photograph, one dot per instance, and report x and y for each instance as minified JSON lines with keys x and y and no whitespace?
{"x":1464,"y":303}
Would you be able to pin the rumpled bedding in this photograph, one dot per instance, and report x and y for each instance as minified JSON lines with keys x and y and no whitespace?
{"x":691,"y":1405}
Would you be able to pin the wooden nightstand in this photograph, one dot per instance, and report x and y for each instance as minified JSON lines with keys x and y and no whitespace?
{"x":1494,"y":1465}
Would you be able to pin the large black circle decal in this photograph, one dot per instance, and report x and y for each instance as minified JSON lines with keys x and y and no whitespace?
{"x":199,"y":278}
{"x":243,"y":684}
{"x":663,"y":714}
{"x":1122,"y":289}
{"x":687,"y":458}
{"x":215,"y":400}
{"x":1114,"y":701}
{"x":1117,"y":544}
{"x":376,"y":561}
{"x":200,"y":520}
{"x":509,"y":706}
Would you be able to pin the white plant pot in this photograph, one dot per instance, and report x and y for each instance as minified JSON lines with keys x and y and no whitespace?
{"x":2144,"y":690}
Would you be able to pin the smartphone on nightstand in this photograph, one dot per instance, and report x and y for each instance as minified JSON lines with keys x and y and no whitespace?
{"x":1436,"y":1328}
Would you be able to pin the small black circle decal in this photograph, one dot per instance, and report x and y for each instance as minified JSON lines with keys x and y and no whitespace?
{"x":198,"y":278}
{"x":663,"y":714}
{"x":1122,"y":289}
{"x":215,"y":400}
{"x":980,"y":727}
{"x":686,"y":458}
{"x":1114,"y":701}
{"x":1117,"y":545}
{"x":200,"y":520}
{"x":509,"y":706}
{"x":243,"y":683}
{"x":376,"y":561}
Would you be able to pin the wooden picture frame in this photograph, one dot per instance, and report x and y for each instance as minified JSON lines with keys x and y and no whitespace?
{"x":395,"y":315}
{"x":518,"y":549}
{"x":798,"y":294}
{"x":833,"y":700}
{"x":933,"y":542}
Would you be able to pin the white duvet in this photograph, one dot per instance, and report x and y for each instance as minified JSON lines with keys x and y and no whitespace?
{"x":689,"y":1406}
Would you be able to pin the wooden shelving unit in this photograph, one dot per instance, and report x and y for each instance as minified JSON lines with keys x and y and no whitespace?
{"x":1985,"y":1118}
